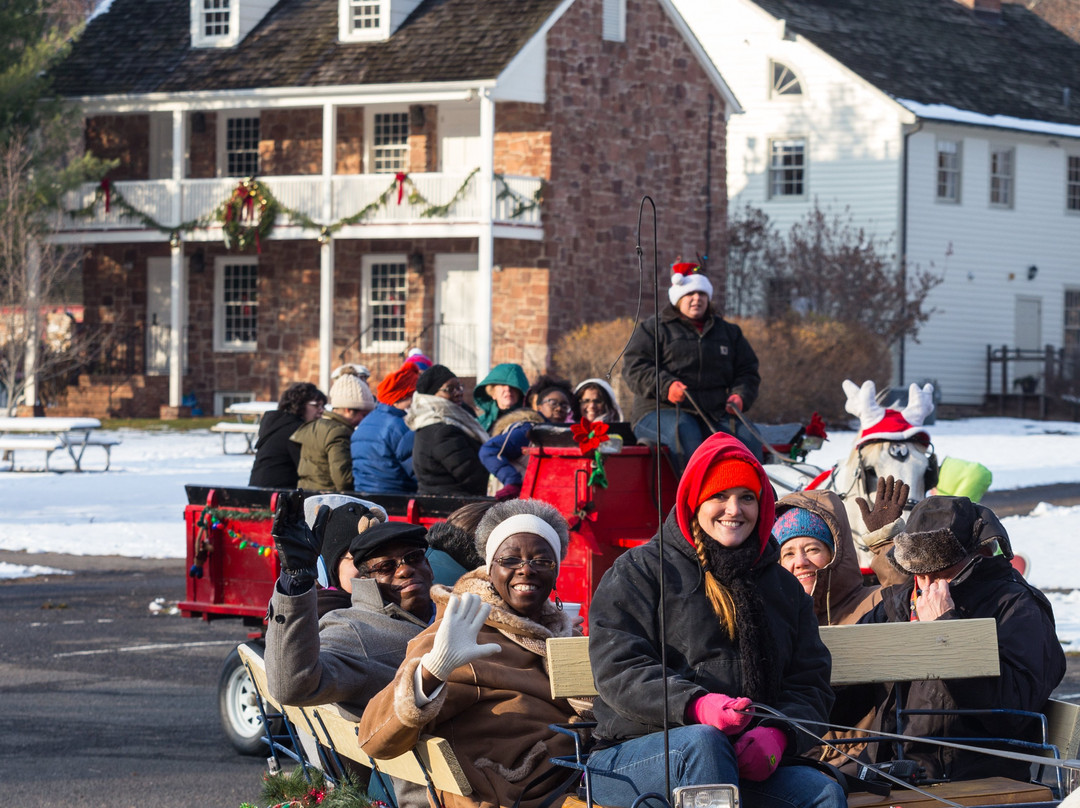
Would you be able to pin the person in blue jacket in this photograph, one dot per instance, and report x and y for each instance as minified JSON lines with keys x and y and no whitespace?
{"x":382,"y":444}
{"x":503,"y":455}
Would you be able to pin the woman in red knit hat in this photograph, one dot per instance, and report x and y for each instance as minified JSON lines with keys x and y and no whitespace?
{"x":741,"y":636}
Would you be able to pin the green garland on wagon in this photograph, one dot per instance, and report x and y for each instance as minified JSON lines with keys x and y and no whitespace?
{"x":294,"y":790}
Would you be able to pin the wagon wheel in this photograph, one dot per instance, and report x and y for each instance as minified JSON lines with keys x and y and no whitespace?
{"x":239,"y":710}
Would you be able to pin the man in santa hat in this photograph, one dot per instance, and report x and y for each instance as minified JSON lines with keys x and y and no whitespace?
{"x":707,"y":370}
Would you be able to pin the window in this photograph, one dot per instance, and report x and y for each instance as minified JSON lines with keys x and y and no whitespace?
{"x":948,"y":171}
{"x":225,"y":399}
{"x":1001,"y":178}
{"x":364,"y":15}
{"x":1072,"y":186}
{"x":1071,"y":341}
{"x":215,"y":18}
{"x":390,"y":142}
{"x":241,"y":147}
{"x":614,"y":25}
{"x":385,"y":292}
{"x":784,"y":80}
{"x":787,"y":168}
{"x":236,"y":304}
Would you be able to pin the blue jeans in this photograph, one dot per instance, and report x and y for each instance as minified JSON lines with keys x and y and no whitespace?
{"x":690,"y":432}
{"x":701,"y":755}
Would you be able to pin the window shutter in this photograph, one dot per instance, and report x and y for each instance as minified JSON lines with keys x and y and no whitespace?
{"x":615,"y":20}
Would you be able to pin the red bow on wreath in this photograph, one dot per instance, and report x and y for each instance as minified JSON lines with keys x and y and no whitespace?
{"x":589,"y":435}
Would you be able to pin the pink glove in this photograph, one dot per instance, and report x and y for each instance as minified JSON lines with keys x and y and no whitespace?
{"x":718,"y":710}
{"x":676,"y":392}
{"x":734,"y":402}
{"x":758,"y":752}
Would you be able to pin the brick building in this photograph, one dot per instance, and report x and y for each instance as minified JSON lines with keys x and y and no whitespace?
{"x":461,"y":176}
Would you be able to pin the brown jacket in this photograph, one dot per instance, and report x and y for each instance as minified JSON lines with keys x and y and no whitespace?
{"x":325,"y":454}
{"x":495,"y":712}
{"x":839,"y":595}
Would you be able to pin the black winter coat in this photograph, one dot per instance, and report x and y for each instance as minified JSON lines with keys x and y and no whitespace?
{"x":1032,"y":665}
{"x":713,"y":364}
{"x":276,"y":457}
{"x":624,"y":643}
{"x":447,"y":461}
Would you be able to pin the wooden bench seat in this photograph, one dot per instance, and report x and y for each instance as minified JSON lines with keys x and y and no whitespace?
{"x":249,"y":431}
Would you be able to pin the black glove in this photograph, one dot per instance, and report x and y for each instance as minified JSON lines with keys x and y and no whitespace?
{"x":297,"y":545}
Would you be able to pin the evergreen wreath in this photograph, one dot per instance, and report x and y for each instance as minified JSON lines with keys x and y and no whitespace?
{"x":248,"y":215}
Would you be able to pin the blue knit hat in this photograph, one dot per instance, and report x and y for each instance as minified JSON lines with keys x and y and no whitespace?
{"x":801,"y":522}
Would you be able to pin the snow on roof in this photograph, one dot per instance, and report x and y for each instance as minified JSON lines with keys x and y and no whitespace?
{"x":943,"y":112}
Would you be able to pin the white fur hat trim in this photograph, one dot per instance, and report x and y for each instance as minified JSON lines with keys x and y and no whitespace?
{"x":685,"y":284}
{"x":522,"y":523}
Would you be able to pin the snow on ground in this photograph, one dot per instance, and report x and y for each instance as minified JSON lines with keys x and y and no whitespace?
{"x":136,"y":508}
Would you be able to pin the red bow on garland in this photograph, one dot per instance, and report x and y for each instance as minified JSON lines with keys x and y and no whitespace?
{"x":399,"y":178}
{"x":106,"y":188}
{"x":589,"y":435}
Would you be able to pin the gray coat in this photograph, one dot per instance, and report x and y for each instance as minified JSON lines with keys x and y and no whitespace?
{"x":346,"y":658}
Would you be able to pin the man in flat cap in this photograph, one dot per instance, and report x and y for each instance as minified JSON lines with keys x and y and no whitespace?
{"x":354,"y":652}
{"x":948,"y":547}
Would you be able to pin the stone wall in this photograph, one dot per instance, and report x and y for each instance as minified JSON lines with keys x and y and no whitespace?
{"x":202,"y":145}
{"x":121,"y":137}
{"x":522,"y":140}
{"x":290,"y":141}
{"x":349,"y":154}
{"x":423,"y":138}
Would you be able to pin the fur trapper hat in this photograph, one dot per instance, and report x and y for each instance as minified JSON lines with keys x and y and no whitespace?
{"x":941,"y":532}
{"x":502,"y":511}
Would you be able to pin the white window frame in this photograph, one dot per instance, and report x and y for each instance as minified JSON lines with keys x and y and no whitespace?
{"x":957,"y":171}
{"x":1072,"y":184}
{"x":369,"y":136}
{"x":220,"y":344}
{"x":223,"y":139}
{"x":791,"y":139}
{"x":368,"y":343}
{"x":613,"y":22}
{"x":232,"y":397}
{"x":771,"y":81}
{"x":1002,"y":177}
{"x":346,"y":32}
{"x":200,"y":39}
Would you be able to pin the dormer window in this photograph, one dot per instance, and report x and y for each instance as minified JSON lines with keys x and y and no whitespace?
{"x":215,"y":18}
{"x":784,"y":80}
{"x":224,"y":23}
{"x":364,"y":15}
{"x":364,"y":20}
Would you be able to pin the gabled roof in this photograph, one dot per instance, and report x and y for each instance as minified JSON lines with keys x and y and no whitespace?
{"x":939,"y":52}
{"x":144,"y":46}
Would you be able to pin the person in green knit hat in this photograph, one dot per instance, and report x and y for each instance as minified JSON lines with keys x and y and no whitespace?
{"x":501,"y":391}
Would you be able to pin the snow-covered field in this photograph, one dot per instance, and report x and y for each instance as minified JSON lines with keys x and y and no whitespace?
{"x":135,"y":509}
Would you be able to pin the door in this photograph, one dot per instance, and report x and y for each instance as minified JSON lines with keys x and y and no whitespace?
{"x":159,"y":316}
{"x":459,"y":135}
{"x":1028,"y":338}
{"x":456,"y":314}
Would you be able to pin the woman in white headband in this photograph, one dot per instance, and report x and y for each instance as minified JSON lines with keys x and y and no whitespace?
{"x":477,"y":675}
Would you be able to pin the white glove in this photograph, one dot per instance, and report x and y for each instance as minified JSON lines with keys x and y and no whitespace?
{"x":455,"y":641}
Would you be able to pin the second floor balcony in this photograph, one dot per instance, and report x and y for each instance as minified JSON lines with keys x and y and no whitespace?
{"x":355,"y":201}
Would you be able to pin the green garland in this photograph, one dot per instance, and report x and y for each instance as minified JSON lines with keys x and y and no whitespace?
{"x":251,"y":194}
{"x":294,"y":790}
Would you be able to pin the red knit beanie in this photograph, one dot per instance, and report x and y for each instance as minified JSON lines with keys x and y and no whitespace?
{"x":399,"y":384}
{"x":726,"y":474}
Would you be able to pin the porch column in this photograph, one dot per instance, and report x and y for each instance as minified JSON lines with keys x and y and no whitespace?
{"x":177,"y":289}
{"x":326,"y":249}
{"x":486,"y":241}
{"x":32,"y":324}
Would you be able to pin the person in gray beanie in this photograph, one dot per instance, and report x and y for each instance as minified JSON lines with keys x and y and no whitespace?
{"x":946,"y":546}
{"x":477,"y":675}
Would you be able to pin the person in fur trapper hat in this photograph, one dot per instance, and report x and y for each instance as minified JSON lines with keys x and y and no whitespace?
{"x":947,"y":545}
{"x":477,"y":675}
{"x":708,"y":372}
{"x":740,"y":630}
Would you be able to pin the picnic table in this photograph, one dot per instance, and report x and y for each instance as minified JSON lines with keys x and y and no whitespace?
{"x":248,"y":415}
{"x":49,"y":434}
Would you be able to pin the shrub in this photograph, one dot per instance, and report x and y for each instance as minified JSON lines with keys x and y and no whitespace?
{"x":588,"y":352}
{"x":803,"y":365}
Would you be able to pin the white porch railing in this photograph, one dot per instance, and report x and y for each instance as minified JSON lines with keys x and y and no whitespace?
{"x":514,"y":198}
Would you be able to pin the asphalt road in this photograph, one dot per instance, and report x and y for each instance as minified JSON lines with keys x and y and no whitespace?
{"x":104,"y":702}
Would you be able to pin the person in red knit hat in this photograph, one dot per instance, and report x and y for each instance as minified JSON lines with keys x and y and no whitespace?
{"x":740,"y":632}
{"x":707,"y":372}
{"x":382,"y":444}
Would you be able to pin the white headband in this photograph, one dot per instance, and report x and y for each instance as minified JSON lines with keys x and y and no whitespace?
{"x":522,"y":523}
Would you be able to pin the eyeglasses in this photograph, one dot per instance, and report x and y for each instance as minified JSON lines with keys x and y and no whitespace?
{"x":389,"y":567}
{"x":555,"y":404}
{"x":515,"y":563}
{"x":585,"y":402}
{"x":316,"y":403}
{"x":454,"y":387}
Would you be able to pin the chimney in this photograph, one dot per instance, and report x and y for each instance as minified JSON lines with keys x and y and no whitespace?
{"x":983,"y":8}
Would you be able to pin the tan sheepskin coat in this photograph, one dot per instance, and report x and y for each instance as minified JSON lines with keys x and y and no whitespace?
{"x":495,"y":712}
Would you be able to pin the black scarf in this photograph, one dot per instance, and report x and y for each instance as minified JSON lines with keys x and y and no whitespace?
{"x":757,"y":648}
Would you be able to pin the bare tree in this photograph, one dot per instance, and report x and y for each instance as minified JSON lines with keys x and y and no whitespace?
{"x":753,"y":250}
